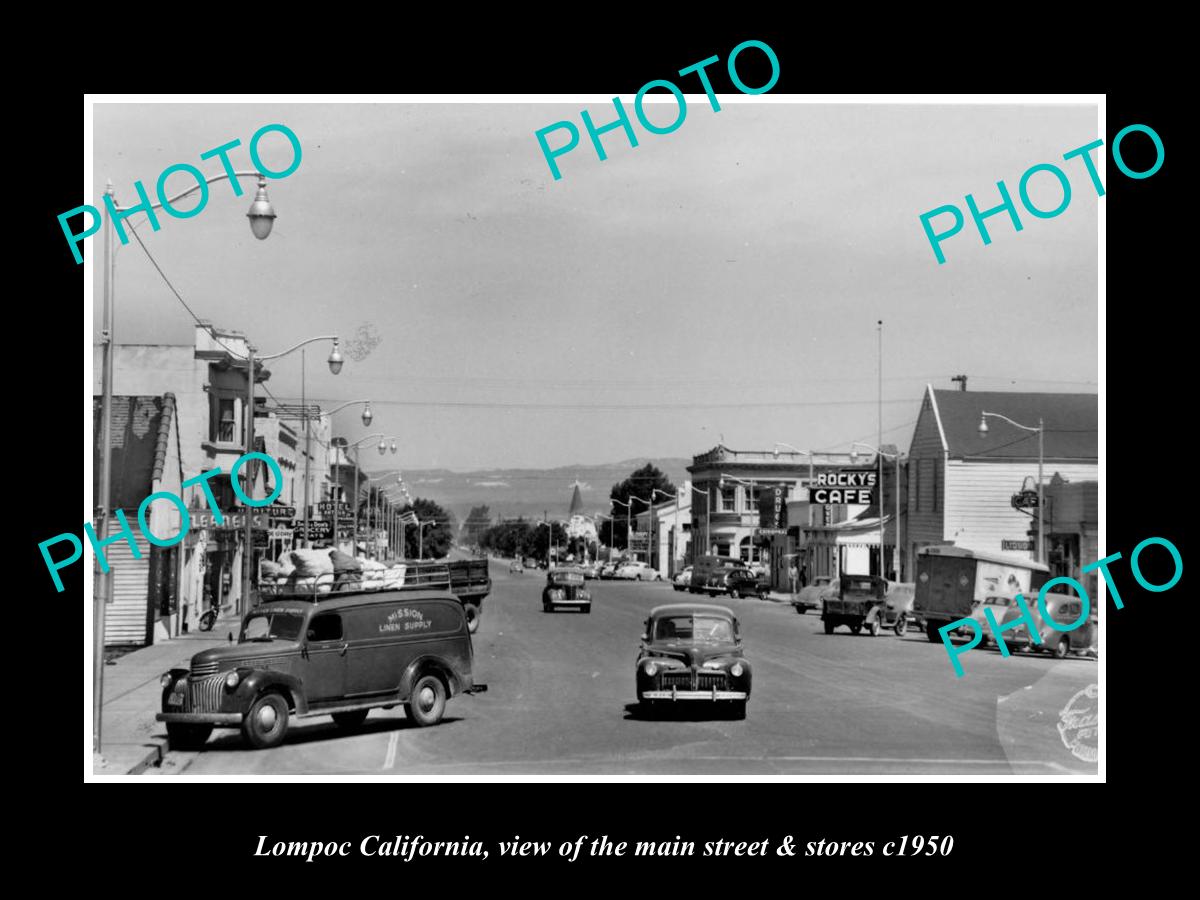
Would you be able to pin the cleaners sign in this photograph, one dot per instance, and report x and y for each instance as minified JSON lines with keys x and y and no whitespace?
{"x":854,"y":487}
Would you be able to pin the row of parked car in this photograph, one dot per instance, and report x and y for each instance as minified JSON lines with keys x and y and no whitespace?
{"x":624,"y":570}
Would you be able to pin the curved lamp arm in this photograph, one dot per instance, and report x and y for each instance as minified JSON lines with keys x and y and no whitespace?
{"x":262,"y":183}
{"x":882,"y":453}
{"x":984,"y":416}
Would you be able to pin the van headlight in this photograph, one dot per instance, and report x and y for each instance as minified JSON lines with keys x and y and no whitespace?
{"x":651,"y":668}
{"x":165,"y":681}
{"x":736,"y":670}
{"x":231,"y":680}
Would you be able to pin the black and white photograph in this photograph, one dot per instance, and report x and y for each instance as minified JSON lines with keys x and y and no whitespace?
{"x":689,"y":434}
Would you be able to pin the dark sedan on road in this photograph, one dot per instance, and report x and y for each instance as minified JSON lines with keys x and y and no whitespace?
{"x":693,"y":651}
{"x":564,"y":589}
{"x":738,"y":582}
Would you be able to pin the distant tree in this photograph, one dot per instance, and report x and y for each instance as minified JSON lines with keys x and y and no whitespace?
{"x":506,"y":538}
{"x":478,"y":520}
{"x":437,"y":537}
{"x":640,"y":486}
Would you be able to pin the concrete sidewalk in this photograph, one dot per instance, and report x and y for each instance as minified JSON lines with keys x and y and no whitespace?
{"x":131,"y":740}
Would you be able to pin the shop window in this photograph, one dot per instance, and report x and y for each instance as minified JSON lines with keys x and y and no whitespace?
{"x":728,"y":498}
{"x":938,"y":470}
{"x":914,"y":485}
{"x":225,"y":426}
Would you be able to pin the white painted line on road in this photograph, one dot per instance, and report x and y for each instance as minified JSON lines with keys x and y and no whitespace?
{"x":393,"y":741}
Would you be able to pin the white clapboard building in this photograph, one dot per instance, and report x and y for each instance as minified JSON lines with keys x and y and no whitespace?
{"x":961,"y":482}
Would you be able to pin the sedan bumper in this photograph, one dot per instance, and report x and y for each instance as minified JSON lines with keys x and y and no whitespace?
{"x":675,"y":694}
{"x":199,"y":718}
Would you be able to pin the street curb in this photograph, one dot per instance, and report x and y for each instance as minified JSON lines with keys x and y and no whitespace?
{"x":153,"y":758}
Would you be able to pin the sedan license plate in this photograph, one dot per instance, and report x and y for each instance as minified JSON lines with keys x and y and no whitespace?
{"x":176,"y":699}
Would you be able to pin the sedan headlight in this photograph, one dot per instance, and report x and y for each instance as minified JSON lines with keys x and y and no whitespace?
{"x":231,"y":680}
{"x":650,"y":668}
{"x":165,"y":681}
{"x":736,"y":670}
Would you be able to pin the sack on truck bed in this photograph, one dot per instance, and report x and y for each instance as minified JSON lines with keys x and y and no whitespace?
{"x":311,"y":563}
{"x":344,"y":562}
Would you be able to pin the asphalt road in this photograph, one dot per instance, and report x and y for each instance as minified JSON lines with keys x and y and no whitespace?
{"x":560,"y":701}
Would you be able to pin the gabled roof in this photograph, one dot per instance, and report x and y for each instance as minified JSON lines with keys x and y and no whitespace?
{"x":1071,"y":421}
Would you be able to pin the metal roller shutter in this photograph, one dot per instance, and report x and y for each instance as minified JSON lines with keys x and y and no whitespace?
{"x":127,"y":619}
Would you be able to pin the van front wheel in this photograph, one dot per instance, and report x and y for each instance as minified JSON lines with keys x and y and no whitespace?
{"x":266,"y":723}
{"x":427,"y":702}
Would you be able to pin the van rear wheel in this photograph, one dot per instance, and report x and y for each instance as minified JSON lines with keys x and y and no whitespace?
{"x":427,"y":701}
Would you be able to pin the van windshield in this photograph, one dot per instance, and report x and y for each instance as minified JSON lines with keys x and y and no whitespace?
{"x":271,"y":625}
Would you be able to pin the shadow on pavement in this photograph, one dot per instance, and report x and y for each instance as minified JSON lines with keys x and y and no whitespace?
{"x":309,"y":732}
{"x":682,"y":711}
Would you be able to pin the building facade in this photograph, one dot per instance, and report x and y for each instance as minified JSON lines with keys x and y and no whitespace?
{"x":961,"y":482}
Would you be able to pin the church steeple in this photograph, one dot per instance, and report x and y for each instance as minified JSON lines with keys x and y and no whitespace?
{"x":576,"y":501}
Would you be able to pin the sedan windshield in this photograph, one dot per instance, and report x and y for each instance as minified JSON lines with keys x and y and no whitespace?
{"x":705,"y":629}
{"x":268,"y":626}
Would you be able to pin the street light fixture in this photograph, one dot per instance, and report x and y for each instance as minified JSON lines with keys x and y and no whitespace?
{"x":1041,"y":433}
{"x":262,"y":216}
{"x":357,"y":469}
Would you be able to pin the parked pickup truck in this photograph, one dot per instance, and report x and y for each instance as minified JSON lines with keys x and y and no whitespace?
{"x":467,"y":579}
{"x":857,"y":604}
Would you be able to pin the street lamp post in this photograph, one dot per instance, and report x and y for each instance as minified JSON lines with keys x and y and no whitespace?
{"x":1041,"y":433}
{"x":262,"y":217}
{"x":628,"y":504}
{"x":880,"y":457}
{"x":707,"y":516}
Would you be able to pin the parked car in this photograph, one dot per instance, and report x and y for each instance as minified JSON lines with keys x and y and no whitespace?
{"x":898,"y":606}
{"x":810,"y":595}
{"x":692,"y":652}
{"x":344,"y":656}
{"x":531,"y":563}
{"x":564,"y":589}
{"x":738,"y":582}
{"x":1064,"y":609}
{"x":683,"y":580}
{"x":608,"y":570}
{"x":590,"y":570}
{"x":999,"y":605}
{"x":515,"y":567}
{"x":637,"y":571}
{"x":709,"y":572}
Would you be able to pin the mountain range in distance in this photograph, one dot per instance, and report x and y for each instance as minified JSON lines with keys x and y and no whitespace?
{"x":509,"y":493}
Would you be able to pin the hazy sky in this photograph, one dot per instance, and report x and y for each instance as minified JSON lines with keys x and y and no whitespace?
{"x":724,"y":279}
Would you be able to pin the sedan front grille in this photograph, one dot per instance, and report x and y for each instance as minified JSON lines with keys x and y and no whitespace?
{"x":710,"y":680}
{"x":205,"y":694}
{"x":679,"y":678}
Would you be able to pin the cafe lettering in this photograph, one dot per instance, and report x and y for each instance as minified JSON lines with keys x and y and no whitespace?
{"x":854,"y":487}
